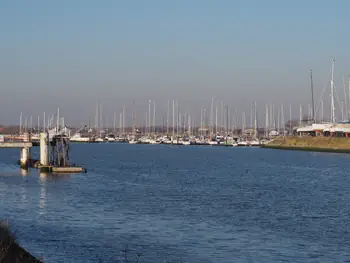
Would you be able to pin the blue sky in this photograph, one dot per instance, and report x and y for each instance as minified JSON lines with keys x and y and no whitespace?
{"x":71,"y":54}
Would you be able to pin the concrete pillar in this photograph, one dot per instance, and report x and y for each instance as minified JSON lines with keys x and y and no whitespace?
{"x":44,"y":154}
{"x":27,"y":138}
{"x":24,"y":162}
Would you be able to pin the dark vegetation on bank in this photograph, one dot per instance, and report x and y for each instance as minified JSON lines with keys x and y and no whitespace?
{"x":10,"y":250}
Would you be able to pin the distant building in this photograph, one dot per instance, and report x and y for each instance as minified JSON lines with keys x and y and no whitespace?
{"x":325,"y":129}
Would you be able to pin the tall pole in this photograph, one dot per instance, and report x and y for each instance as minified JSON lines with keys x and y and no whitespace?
{"x":154,"y":117}
{"x":177,"y":120}
{"x":216,"y":121}
{"x":349,"y":98}
{"x":251,"y":117}
{"x":222,"y":117}
{"x":211,"y":117}
{"x":120,"y":123}
{"x":149,"y":117}
{"x":31,"y":124}
{"x":290,"y":119}
{"x":20,"y":124}
{"x":201,"y":123}
{"x":26,"y":125}
{"x":227,"y":123}
{"x":124,"y":119}
{"x":282,"y":119}
{"x":133,"y":119}
{"x":97,"y":116}
{"x":58,"y":120}
{"x":167,"y":119}
{"x":114,"y":120}
{"x":312,"y":98}
{"x":44,"y":122}
{"x":173,"y":120}
{"x":345,"y":113}
{"x":255,"y":121}
{"x":266,"y":120}
{"x":146,"y":121}
{"x":333,"y":119}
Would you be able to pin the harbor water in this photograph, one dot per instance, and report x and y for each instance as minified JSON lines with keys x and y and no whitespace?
{"x":166,"y":203}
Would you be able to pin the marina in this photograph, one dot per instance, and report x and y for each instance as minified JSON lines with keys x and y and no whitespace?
{"x":218,"y":125}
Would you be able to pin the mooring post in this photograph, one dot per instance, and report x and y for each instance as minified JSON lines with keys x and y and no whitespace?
{"x":44,"y":153}
{"x":25,"y":153}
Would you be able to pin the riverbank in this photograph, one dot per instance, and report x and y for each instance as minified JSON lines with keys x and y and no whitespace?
{"x":308,"y":143}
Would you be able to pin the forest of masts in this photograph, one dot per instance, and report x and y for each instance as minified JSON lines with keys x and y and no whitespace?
{"x":216,"y":119}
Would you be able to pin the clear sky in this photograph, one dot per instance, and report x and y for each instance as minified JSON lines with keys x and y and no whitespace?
{"x":71,"y":54}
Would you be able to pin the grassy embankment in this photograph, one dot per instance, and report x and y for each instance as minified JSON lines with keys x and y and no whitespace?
{"x":308,"y":143}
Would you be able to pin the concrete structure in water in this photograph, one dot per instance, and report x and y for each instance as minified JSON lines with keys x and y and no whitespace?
{"x":44,"y":149}
{"x":45,"y":165}
{"x":24,"y":147}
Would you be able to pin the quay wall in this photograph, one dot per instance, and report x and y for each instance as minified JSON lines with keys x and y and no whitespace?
{"x":309,"y":143}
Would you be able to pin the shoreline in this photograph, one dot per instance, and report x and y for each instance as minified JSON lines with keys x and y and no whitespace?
{"x":306,"y":149}
{"x":311,"y":144}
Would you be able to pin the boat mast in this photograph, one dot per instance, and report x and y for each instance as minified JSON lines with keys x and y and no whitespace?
{"x":345,"y":111}
{"x":332,"y":94}
{"x":114,"y":120}
{"x":216,"y":121}
{"x":167,"y":119}
{"x":255,"y":122}
{"x":266,"y":120}
{"x":173,"y":120}
{"x":290,"y":119}
{"x":211,"y":117}
{"x":243,"y":123}
{"x":312,"y":98}
{"x":20,"y":124}
{"x":251,"y":117}
{"x":120,"y":122}
{"x":282,"y":119}
{"x":149,"y":118}
{"x":58,"y":119}
{"x":201,"y":123}
{"x":227,"y":119}
{"x":134,"y":119}
{"x":349,"y":99}
{"x":44,"y":128}
{"x":154,"y":117}
{"x":177,"y":120}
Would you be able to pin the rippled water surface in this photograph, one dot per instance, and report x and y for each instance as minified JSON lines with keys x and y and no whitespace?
{"x":194,"y":204}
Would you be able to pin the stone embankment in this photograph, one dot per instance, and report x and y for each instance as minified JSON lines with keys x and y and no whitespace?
{"x":309,"y":143}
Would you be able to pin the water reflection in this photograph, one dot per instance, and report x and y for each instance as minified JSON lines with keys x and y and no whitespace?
{"x":24,"y":172}
{"x":43,"y":187}
{"x":44,"y":180}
